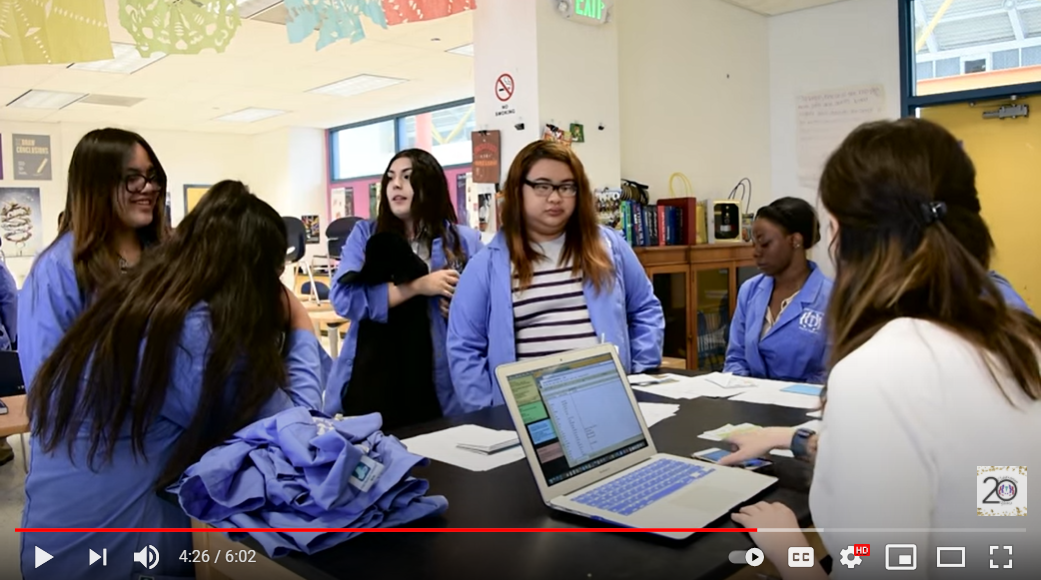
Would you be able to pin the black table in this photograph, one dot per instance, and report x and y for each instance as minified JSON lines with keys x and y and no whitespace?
{"x":507,"y":497}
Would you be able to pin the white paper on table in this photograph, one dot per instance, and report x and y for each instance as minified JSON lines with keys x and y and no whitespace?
{"x":726,"y":431}
{"x":815,"y":414}
{"x":777,"y":397}
{"x":782,"y":452}
{"x":656,"y":412}
{"x":680,"y":387}
{"x":643,"y":379}
{"x":443,"y":446}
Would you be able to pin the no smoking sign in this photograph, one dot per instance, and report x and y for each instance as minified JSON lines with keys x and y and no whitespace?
{"x":504,"y":87}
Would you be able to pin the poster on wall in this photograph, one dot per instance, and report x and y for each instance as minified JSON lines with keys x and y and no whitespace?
{"x":825,"y":118}
{"x":460,"y":197}
{"x":484,"y":208}
{"x":192,"y":195}
{"x":313,"y":228}
{"x":337,"y":203}
{"x":374,"y":200}
{"x":486,"y":156}
{"x":32,"y":157}
{"x":20,"y":220}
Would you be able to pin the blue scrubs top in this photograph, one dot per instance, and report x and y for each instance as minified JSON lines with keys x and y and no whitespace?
{"x":795,"y":347}
{"x":480,"y":326}
{"x":62,"y":491}
{"x":358,"y":302}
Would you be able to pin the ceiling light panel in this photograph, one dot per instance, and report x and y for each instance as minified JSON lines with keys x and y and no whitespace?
{"x":126,"y":61}
{"x":465,"y":50}
{"x":356,"y":85}
{"x":36,"y":99}
{"x":250,"y":115}
{"x":250,"y":8}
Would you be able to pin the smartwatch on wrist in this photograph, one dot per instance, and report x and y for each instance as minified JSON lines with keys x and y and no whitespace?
{"x":800,"y":442}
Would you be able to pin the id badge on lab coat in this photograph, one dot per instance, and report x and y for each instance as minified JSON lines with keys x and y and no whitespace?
{"x":365,"y":474}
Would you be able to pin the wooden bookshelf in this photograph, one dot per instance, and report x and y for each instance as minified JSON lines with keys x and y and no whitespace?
{"x":697,"y":286}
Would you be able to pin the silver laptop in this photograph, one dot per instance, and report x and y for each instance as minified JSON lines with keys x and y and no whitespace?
{"x":592,"y":455}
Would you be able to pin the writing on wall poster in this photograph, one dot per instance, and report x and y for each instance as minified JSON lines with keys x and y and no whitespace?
{"x":374,"y":199}
{"x":487,"y":156}
{"x":825,"y":118}
{"x":20,"y":220}
{"x":32,"y":157}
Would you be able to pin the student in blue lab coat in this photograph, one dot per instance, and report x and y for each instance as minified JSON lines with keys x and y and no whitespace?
{"x":778,"y":331}
{"x":552,"y":280}
{"x":114,"y":210}
{"x":415,"y":205}
{"x":192,"y":345}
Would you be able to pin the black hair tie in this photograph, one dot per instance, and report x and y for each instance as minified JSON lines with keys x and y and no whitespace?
{"x":933,"y":212}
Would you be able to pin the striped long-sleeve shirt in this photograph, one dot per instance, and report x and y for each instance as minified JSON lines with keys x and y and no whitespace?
{"x":551,"y":315}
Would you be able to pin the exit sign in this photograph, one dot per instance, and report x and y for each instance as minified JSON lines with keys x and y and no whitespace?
{"x":588,"y":11}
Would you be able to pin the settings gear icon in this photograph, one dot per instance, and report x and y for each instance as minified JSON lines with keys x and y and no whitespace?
{"x":847,"y":561}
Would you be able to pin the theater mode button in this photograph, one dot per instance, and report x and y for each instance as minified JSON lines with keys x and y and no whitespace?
{"x":752,"y":557}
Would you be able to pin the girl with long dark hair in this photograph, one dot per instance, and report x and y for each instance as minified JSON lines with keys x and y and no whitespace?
{"x":396,"y":279}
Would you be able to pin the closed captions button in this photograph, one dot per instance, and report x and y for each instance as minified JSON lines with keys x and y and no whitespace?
{"x":753,"y":557}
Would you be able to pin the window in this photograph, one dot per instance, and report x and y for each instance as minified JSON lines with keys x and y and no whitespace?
{"x":363,"y":150}
{"x":444,"y":132}
{"x":972,"y":44}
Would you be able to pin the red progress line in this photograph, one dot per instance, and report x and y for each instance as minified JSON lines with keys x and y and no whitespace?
{"x":321,"y":530}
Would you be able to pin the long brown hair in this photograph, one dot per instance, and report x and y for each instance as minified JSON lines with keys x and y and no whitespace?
{"x":582,"y":245}
{"x":227,"y":253}
{"x":894,"y":187}
{"x":96,"y":174}
{"x":431,"y":205}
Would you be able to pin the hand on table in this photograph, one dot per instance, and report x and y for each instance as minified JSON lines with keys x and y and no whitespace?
{"x":773,"y":544}
{"x":756,"y":443}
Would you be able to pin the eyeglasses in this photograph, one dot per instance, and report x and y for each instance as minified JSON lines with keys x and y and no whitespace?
{"x":544,"y":189}
{"x":137,"y":183}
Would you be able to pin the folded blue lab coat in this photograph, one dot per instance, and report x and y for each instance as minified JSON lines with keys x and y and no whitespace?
{"x":294,"y":470}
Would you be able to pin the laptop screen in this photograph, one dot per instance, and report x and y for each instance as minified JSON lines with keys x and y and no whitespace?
{"x":578,"y":416}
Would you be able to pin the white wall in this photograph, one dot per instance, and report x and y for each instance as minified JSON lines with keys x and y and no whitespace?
{"x":695,"y":95}
{"x":849,"y":43}
{"x":578,"y":83}
{"x":286,"y":168}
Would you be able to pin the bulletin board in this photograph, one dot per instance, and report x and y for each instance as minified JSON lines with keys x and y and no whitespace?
{"x":192,"y":195}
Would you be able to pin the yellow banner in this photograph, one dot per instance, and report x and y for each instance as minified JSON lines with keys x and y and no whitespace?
{"x":53,"y":31}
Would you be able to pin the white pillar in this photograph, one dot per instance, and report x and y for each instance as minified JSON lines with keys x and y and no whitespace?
{"x":553,"y":70}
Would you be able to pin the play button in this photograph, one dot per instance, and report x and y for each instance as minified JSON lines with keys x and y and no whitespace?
{"x":42,"y":557}
{"x":754,"y":557}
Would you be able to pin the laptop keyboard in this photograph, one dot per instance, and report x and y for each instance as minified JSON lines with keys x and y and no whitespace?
{"x":643,"y":487}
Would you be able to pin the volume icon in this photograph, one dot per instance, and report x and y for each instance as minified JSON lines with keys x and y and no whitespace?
{"x":148,"y":557}
{"x":94,"y":557}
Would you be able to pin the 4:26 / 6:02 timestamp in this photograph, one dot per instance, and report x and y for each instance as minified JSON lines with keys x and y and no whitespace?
{"x":204,"y":556}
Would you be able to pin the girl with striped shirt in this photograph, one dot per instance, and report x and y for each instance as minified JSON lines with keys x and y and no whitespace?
{"x":551,"y":280}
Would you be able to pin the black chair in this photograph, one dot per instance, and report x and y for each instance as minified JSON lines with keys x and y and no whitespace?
{"x":11,"y":381}
{"x":337,"y":233}
{"x":296,"y":241}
